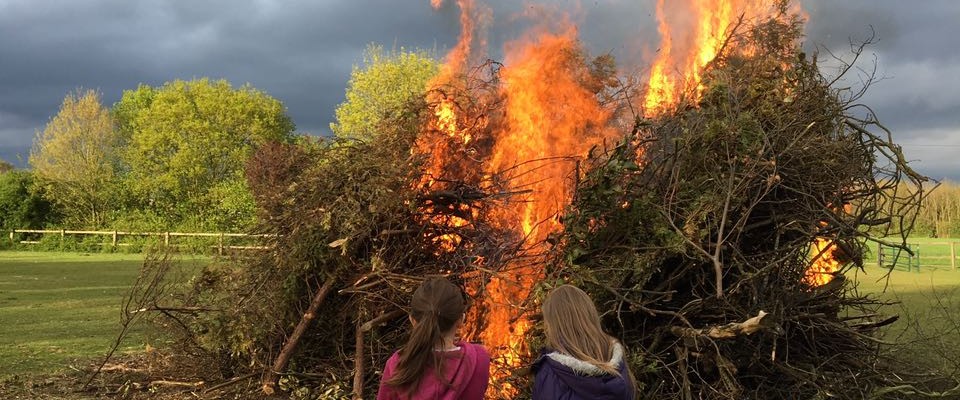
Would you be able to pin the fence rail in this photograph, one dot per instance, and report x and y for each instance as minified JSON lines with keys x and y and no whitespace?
{"x":892,"y":257}
{"x":116,"y":237}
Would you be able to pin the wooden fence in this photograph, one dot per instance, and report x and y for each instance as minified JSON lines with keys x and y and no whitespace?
{"x":925,"y":255}
{"x":169,"y":238}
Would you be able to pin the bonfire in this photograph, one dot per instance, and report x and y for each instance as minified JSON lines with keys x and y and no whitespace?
{"x":711,"y":208}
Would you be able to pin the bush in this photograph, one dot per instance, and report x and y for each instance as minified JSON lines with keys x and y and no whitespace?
{"x":20,"y":206}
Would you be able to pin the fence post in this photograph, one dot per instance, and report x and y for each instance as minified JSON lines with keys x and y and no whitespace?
{"x":166,"y":239}
{"x":953,"y":256}
{"x":62,"y":234}
{"x":220,"y":244}
{"x":918,"y":258}
{"x":114,"y":238}
{"x":879,"y":255}
{"x":11,"y":234}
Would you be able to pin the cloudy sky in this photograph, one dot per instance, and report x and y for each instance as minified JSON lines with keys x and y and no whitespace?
{"x":301,"y":52}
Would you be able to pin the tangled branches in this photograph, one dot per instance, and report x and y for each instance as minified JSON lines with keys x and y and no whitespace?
{"x":701,"y":226}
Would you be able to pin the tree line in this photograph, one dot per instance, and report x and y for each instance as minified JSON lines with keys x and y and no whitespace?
{"x":940,"y":212}
{"x":173,"y":157}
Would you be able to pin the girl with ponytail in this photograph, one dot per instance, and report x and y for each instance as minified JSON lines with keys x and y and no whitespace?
{"x":433,"y":364}
{"x":581,"y":360}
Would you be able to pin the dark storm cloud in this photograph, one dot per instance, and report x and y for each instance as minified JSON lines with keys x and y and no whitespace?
{"x":301,"y":52}
{"x":916,"y":93}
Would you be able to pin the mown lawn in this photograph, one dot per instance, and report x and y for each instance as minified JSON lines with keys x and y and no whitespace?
{"x":928,"y":303}
{"x":61,"y":309}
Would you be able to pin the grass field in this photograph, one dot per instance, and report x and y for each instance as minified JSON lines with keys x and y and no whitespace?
{"x":62,"y":309}
{"x":928,"y":303}
{"x":59,"y":309}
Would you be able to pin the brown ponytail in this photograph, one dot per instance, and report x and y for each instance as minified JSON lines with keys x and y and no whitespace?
{"x":436,"y":307}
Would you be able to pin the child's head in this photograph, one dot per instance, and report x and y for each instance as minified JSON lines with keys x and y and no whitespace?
{"x":437,"y":302}
{"x":572,"y":326}
{"x":436,"y":310}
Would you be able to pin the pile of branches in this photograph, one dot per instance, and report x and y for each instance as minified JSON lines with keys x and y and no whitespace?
{"x":694,"y":234}
{"x":353,"y":227}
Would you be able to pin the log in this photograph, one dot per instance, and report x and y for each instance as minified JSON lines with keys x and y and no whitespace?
{"x":269,"y":381}
{"x":358,"y":368}
{"x":727,"y":331}
{"x":358,"y":365}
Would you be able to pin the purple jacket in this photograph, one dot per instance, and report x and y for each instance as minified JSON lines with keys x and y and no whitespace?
{"x":467,"y":369}
{"x":562,"y":377}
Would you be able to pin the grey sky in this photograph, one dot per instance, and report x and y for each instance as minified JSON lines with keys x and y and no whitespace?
{"x":301,"y":52}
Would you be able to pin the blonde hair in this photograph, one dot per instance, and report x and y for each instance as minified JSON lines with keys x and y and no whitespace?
{"x":572,"y":327}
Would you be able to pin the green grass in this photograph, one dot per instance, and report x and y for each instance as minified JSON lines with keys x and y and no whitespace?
{"x":928,"y":303}
{"x":59,"y":309}
{"x":63,"y":309}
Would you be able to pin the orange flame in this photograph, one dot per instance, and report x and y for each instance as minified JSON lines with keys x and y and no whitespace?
{"x":550,"y":120}
{"x":825,"y":265}
{"x":825,"y":256}
{"x":675,"y":72}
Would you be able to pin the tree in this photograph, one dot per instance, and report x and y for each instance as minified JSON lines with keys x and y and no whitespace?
{"x":5,"y":167}
{"x":380,"y":89}
{"x":21,"y":207}
{"x":188,"y":143}
{"x":75,"y":159}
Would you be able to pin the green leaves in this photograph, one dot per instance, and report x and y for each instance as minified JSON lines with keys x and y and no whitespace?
{"x":381,"y":89}
{"x":19,"y":206}
{"x":188,"y":142}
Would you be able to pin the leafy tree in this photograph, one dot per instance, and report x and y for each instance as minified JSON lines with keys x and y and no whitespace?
{"x":379,"y":90}
{"x":75,"y":159}
{"x":5,"y":167}
{"x":21,"y":207}
{"x":188,"y":140}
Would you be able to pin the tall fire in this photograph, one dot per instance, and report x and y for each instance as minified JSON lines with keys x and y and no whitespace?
{"x":686,"y":49}
{"x":550,"y":120}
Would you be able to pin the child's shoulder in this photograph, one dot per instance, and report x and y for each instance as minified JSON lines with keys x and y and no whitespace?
{"x":474,"y":347}
{"x":393,"y":360}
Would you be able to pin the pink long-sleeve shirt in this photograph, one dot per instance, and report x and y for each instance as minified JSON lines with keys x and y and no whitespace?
{"x":468,"y":370}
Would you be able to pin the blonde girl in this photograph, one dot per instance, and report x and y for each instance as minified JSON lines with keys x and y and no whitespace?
{"x":581,"y":360}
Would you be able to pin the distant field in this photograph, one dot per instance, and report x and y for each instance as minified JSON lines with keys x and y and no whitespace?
{"x":60,"y":308}
{"x":933,"y":252}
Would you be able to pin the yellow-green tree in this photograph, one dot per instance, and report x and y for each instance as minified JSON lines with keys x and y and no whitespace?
{"x":75,"y":159}
{"x":380,"y":89}
{"x":940,"y":212}
{"x":188,"y":143}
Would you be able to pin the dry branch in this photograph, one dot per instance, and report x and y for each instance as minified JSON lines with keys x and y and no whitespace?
{"x":727,"y":331}
{"x":269,"y":381}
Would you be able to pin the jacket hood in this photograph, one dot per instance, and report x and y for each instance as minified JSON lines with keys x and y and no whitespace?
{"x":460,"y":367}
{"x":587,"y":380}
